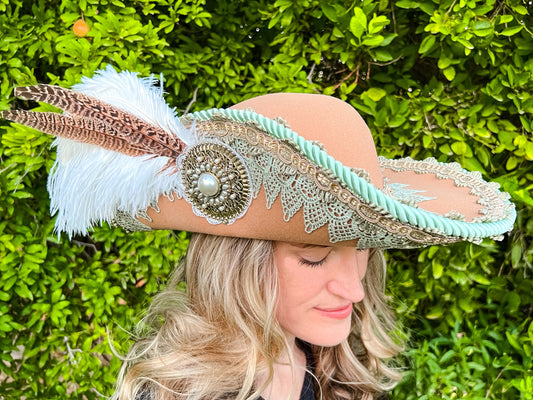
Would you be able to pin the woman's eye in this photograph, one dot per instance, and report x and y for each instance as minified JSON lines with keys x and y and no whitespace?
{"x":310,"y":263}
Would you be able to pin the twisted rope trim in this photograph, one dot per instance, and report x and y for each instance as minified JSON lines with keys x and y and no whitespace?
{"x":368,"y":192}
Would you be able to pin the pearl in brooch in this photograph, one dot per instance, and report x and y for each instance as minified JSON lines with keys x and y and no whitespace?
{"x":208,"y":184}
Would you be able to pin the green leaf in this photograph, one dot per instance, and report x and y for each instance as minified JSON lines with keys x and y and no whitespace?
{"x":377,"y":24}
{"x":373,"y":41}
{"x":482,"y":28}
{"x":483,"y":9}
{"x":483,"y":155}
{"x":5,"y":296}
{"x":472,"y":164}
{"x":516,"y":254}
{"x":493,"y":125}
{"x":435,"y":312}
{"x":376,"y":94}
{"x":520,"y":9}
{"x":479,"y":278}
{"x":56,"y":295}
{"x":466,"y":304}
{"x":438,"y":269}
{"x":407,"y":4}
{"x":466,"y":43}
{"x":481,"y":25}
{"x":504,"y":19}
{"x":449,"y":73}
{"x":511,"y":31}
{"x":511,"y":163}
{"x":20,"y":194}
{"x":382,"y":55}
{"x":426,"y":44}
{"x":329,"y":11}
{"x":444,"y":61}
{"x":22,"y":290}
{"x":446,"y":149}
{"x":459,"y":148}
{"x":358,"y":23}
{"x":427,"y":141}
{"x":529,"y":151}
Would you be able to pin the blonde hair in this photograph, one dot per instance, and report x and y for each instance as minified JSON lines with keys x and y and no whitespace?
{"x":212,"y":341}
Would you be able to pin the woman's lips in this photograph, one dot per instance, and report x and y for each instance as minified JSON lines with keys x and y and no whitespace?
{"x":336,"y":313}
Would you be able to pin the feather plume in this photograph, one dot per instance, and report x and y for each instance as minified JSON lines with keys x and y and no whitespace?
{"x":88,"y":182}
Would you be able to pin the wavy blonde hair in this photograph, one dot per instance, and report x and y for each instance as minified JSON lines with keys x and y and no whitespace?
{"x":212,"y":341}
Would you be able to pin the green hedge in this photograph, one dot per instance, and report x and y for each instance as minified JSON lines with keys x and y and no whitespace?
{"x":450,"y":79}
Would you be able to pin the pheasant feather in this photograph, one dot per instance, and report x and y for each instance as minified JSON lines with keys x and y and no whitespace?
{"x":126,"y":125}
{"x":84,"y":130}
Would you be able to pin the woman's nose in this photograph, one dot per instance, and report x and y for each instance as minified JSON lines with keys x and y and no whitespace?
{"x":351,"y":290}
{"x":346,"y":279}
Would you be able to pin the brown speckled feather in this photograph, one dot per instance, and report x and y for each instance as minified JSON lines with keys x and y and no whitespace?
{"x":85,"y":130}
{"x":104,"y":119}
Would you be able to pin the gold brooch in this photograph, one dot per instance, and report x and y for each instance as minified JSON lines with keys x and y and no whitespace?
{"x":216,"y":181}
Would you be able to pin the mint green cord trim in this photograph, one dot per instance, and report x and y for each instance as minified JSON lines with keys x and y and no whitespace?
{"x":368,"y":192}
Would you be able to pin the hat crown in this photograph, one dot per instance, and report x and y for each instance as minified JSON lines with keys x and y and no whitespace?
{"x":329,"y":121}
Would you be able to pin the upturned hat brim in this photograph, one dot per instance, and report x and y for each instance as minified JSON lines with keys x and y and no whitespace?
{"x":383,"y":203}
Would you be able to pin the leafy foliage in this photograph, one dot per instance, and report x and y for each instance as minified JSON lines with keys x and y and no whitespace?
{"x":450,"y":79}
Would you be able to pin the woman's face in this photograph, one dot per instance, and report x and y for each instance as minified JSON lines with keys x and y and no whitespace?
{"x":317,"y":288}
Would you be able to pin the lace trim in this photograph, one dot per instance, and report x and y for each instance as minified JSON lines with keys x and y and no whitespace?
{"x":430,"y":222}
{"x":407,"y":196}
{"x":285,"y":172}
{"x":129,"y":223}
{"x":496,"y":204}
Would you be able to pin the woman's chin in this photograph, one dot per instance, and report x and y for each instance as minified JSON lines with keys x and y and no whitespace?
{"x":327,"y":337}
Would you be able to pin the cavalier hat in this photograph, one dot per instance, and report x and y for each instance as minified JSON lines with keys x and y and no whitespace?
{"x":287,"y":166}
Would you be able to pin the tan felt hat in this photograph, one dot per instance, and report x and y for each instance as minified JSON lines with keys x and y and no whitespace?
{"x":287,"y":166}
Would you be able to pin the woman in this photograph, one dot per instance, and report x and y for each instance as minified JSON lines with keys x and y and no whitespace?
{"x":233,"y":334}
{"x":289,"y":203}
